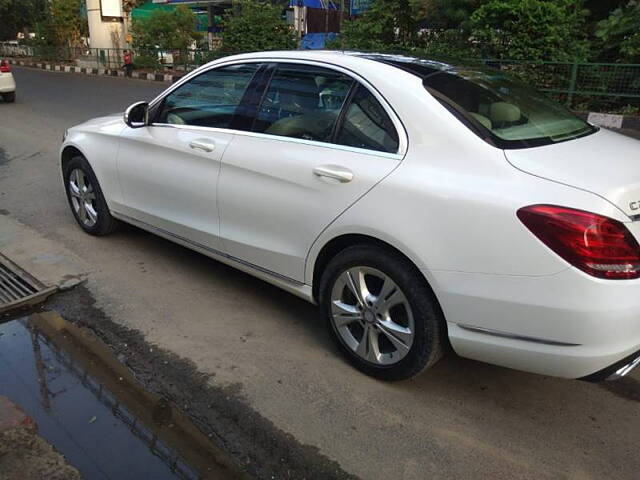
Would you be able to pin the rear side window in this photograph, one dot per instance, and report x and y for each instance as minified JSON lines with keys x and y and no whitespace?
{"x":210,"y":99}
{"x":303,"y":101}
{"x":367,"y":125}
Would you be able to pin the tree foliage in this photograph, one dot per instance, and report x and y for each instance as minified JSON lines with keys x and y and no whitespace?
{"x":166,"y":29}
{"x":255,"y":26}
{"x":19,"y":16}
{"x":129,"y":5}
{"x":448,"y":14}
{"x":560,"y":30}
{"x":55,"y":22}
{"x":531,"y":29}
{"x":65,"y":23}
{"x":619,"y":34}
{"x":386,"y":24}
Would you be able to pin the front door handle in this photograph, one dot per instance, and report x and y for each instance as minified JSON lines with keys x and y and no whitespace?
{"x":204,"y":145}
{"x":342,"y":174}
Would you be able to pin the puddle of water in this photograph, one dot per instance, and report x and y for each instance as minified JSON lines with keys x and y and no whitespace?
{"x":91,"y":408}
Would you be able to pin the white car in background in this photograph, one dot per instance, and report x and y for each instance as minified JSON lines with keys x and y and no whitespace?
{"x":7,"y":83}
{"x":420,"y":204}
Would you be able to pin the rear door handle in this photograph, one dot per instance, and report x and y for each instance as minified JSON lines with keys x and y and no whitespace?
{"x":342,"y":174}
{"x":204,"y":145}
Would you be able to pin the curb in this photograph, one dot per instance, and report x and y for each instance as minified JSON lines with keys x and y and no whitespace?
{"x":611,"y":120}
{"x":109,"y":72}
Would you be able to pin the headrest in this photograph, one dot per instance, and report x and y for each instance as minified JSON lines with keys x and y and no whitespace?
{"x":504,"y":112}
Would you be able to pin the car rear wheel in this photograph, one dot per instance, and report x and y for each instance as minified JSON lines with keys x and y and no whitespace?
{"x":381,"y":313}
{"x":86,"y":199}
{"x":9,"y":97}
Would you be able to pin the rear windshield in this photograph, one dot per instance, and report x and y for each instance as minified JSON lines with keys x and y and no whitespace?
{"x":513,"y":115}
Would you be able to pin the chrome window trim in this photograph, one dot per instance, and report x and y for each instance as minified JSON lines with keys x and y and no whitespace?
{"x":280,"y":138}
{"x":196,"y":72}
{"x":403,"y":139}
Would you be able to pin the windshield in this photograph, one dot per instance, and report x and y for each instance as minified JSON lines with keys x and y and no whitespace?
{"x":516,"y":116}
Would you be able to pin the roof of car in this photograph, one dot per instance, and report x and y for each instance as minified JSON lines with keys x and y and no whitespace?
{"x":419,"y":66}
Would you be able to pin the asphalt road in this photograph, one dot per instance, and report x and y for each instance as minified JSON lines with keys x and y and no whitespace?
{"x":462,"y":419}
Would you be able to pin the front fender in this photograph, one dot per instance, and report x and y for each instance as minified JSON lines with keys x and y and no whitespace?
{"x":99,"y":145}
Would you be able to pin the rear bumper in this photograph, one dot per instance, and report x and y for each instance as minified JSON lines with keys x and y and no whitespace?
{"x":617,"y":370}
{"x":567,"y":325}
{"x":7,"y":83}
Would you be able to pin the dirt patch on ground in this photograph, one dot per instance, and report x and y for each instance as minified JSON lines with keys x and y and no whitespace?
{"x":23,"y":454}
{"x":259,"y":448}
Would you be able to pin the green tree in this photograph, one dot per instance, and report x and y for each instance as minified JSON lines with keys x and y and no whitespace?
{"x":66,"y":24}
{"x":385,"y":25}
{"x":166,"y":29}
{"x":19,"y":16}
{"x":448,"y":14}
{"x":619,"y":34}
{"x":531,"y":29}
{"x":129,"y":5}
{"x":254,"y":26}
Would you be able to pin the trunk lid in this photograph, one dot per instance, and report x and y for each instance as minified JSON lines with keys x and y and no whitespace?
{"x":605,"y":163}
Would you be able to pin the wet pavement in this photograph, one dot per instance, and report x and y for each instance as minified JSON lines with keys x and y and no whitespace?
{"x":92,"y":410}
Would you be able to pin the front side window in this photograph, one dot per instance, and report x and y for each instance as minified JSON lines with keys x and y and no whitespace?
{"x":516,"y":116}
{"x":210,"y":99}
{"x":302,"y":101}
{"x":367,"y":125}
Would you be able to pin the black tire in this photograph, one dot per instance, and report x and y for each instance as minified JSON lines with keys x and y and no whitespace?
{"x":9,"y":97}
{"x":105,"y":223}
{"x":430,"y":337}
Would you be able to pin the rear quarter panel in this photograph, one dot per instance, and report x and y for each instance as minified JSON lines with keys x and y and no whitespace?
{"x":452,"y":203}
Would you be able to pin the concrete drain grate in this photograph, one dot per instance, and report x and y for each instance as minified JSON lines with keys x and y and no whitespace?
{"x":19,"y":289}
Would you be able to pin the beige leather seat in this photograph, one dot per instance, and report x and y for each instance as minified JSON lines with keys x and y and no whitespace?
{"x":482,"y":119}
{"x":314,"y":125}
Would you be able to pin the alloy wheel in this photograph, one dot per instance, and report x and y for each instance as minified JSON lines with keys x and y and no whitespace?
{"x":83,"y":197}
{"x":372,"y":315}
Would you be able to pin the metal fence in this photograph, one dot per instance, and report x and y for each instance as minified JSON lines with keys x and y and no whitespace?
{"x":113,"y":58}
{"x":612,"y":86}
{"x":577,"y":82}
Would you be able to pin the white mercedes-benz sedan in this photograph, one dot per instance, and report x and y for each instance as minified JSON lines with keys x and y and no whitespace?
{"x":421,"y":205}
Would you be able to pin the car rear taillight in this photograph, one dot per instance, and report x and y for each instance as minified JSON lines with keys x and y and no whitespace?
{"x":5,"y":67}
{"x":598,"y":245}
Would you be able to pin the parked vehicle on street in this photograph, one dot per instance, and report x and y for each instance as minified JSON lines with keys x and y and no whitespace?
{"x":7,"y":82}
{"x":420,"y":204}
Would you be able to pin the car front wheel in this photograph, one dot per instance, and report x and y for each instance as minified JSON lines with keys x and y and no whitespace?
{"x":381,"y":313}
{"x":86,"y":199}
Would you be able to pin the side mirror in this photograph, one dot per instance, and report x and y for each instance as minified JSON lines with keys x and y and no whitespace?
{"x":137,"y":115}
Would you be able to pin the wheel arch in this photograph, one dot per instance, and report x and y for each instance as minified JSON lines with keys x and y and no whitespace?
{"x":71,"y":150}
{"x":337,"y":244}
{"x":68,"y":152}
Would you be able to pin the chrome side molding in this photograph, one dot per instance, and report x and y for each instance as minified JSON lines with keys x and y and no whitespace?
{"x":513,"y":336}
{"x":203,"y":248}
